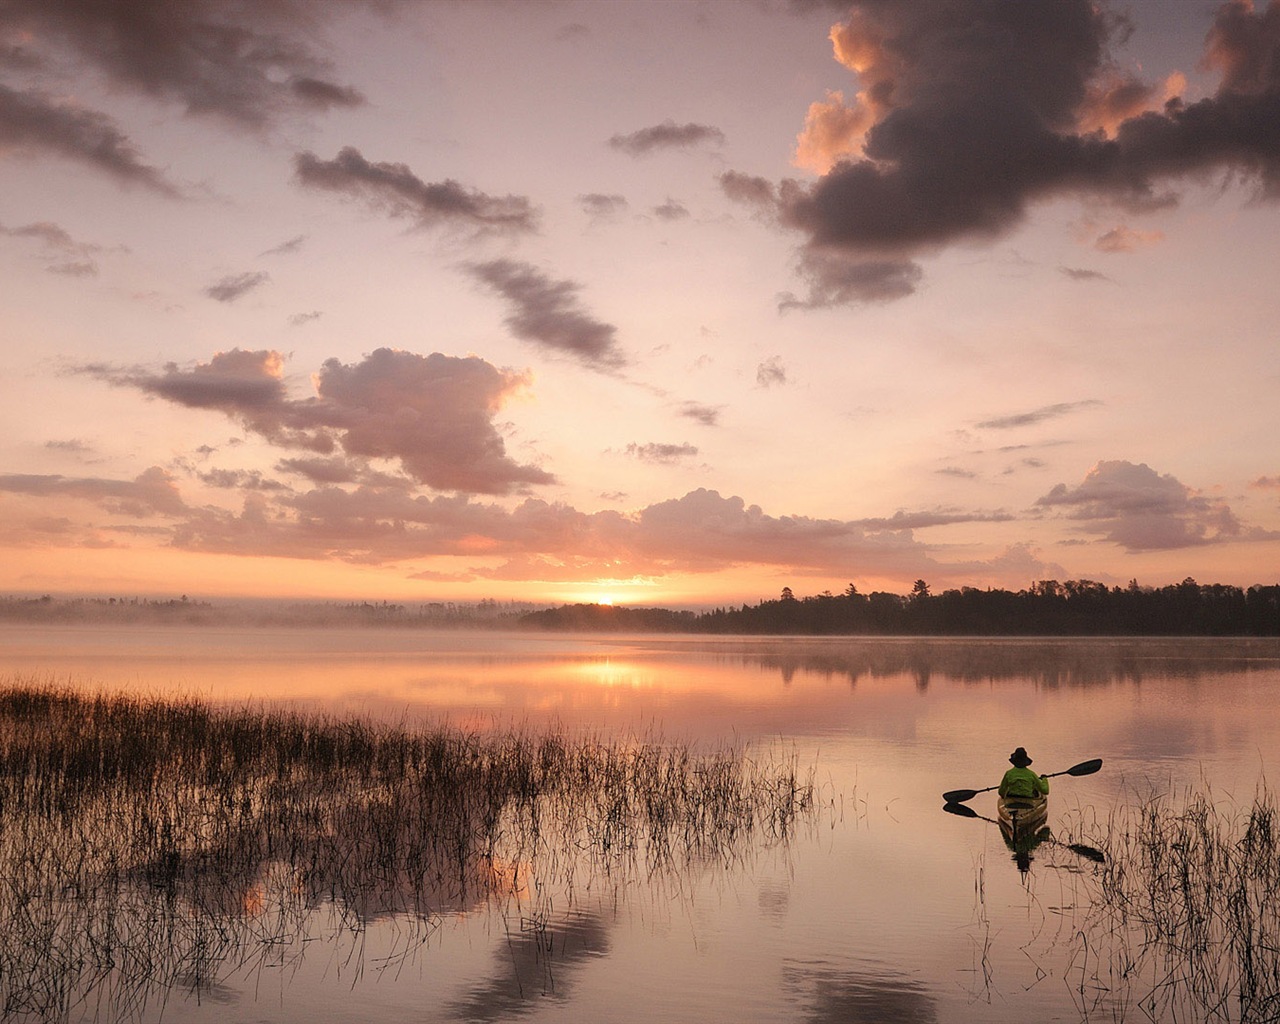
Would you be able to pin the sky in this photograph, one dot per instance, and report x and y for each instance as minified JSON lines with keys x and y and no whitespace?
{"x":668,"y":303}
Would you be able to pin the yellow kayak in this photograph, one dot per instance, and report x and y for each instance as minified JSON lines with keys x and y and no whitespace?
{"x":1021,"y":818}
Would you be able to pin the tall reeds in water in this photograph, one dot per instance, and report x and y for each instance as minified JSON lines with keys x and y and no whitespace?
{"x":151,"y":845}
{"x":1186,"y":923}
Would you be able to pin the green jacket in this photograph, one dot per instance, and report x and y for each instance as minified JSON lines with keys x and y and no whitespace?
{"x":1023,"y":782}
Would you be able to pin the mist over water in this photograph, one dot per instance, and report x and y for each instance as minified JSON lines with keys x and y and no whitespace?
{"x":884,"y":909}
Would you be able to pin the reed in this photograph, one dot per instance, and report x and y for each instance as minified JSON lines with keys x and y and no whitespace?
{"x":155,"y":845}
{"x":1185,"y":923}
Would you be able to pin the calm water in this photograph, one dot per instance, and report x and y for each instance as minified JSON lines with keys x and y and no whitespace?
{"x":885,"y":910}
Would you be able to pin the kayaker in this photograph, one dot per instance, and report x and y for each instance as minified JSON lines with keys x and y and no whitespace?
{"x":1020,"y":780}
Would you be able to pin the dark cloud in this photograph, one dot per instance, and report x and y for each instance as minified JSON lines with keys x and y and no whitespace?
{"x":52,"y":235}
{"x":341,"y":470}
{"x":245,"y":61}
{"x":547,"y":313}
{"x":72,"y":446}
{"x":285,"y":248}
{"x":56,"y":239}
{"x":901,"y":520}
{"x":771,"y":373}
{"x":667,"y":135}
{"x":74,"y":268}
{"x":152,"y":492}
{"x":396,"y":190}
{"x":240,"y":479}
{"x":977,"y":110}
{"x":1142,"y":510}
{"x":662,"y":454}
{"x":599,"y":205}
{"x":1045,"y":412}
{"x":298,"y":319}
{"x":233,"y":287}
{"x":672,"y":209}
{"x":1083,"y":274}
{"x":838,"y":279}
{"x":434,"y":414}
{"x":957,"y":472}
{"x":1266,"y":483}
{"x":707,"y":415}
{"x":321,"y":95}
{"x":753,"y":191}
{"x":32,"y":123}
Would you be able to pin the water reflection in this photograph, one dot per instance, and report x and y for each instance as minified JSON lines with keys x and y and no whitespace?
{"x":829,"y":995}
{"x":541,"y":960}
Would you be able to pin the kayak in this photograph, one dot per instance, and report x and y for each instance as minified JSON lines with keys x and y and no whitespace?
{"x":1021,"y":818}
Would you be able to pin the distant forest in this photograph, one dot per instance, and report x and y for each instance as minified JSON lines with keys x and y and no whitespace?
{"x":1047,"y":608}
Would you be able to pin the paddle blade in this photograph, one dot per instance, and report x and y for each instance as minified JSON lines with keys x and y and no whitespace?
{"x":960,"y":809}
{"x":957,"y":796}
{"x":1084,"y":767}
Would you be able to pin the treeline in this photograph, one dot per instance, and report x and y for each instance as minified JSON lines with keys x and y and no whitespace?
{"x":1047,"y":608}
{"x":47,"y":609}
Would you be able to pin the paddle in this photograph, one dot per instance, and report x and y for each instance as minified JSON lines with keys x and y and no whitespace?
{"x":1091,"y":852}
{"x":1083,"y":768}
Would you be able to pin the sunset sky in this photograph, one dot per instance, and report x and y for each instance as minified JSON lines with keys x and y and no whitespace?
{"x":657,"y":303}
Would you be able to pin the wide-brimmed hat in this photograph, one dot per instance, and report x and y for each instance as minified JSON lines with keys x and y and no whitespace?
{"x":1019,"y":758}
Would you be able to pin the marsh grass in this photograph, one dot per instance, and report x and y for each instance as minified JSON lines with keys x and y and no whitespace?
{"x":1185,"y":925}
{"x":149,"y":846}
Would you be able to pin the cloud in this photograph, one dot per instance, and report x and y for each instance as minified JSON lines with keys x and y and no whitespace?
{"x":152,"y":492}
{"x":1045,"y":412}
{"x":236,"y":285}
{"x":671,"y":210}
{"x":661,"y":454}
{"x":836,"y":279}
{"x":321,"y":95}
{"x":751,"y":191}
{"x":71,"y":446}
{"x":285,"y":248}
{"x":1142,"y":510}
{"x":32,"y":123}
{"x":979,"y":111}
{"x":831,"y":132}
{"x":1266,"y":483}
{"x":243,"y":62}
{"x":667,"y":135}
{"x":340,"y":470}
{"x":1126,"y":239}
{"x":771,"y":373}
{"x":547,"y":313}
{"x":56,"y":239}
{"x":707,"y":415}
{"x":52,"y":235}
{"x":74,"y":268}
{"x":240,"y":479}
{"x":901,"y":520}
{"x":299,"y":319}
{"x":1083,"y":274}
{"x":397,"y":191}
{"x":600,"y":206}
{"x":369,"y":518}
{"x":957,"y":472}
{"x":434,"y":414}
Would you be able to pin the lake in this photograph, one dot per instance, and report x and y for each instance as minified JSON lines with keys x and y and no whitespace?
{"x":881,"y":908}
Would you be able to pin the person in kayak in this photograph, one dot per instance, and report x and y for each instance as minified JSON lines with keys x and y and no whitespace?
{"x":1020,"y":780}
